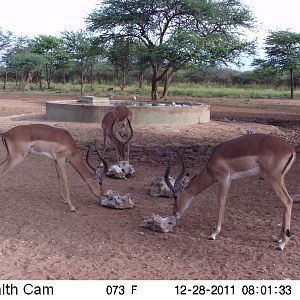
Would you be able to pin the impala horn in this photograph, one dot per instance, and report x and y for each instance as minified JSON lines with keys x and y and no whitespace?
{"x":99,"y":174}
{"x":182,"y":180}
{"x":122,"y":142}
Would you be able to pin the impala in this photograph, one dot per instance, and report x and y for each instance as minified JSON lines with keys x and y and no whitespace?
{"x":250,"y":155}
{"x":115,"y":124}
{"x":57,"y":144}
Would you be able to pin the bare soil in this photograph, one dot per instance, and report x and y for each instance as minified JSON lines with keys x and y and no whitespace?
{"x":41,"y":239}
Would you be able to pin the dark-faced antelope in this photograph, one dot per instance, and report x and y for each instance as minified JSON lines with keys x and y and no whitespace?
{"x":261,"y":155}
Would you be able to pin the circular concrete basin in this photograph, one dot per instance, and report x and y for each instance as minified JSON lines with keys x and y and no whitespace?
{"x":142,"y":112}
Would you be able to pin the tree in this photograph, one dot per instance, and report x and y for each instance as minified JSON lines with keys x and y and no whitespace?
{"x":176,"y":33}
{"x":14,"y":46}
{"x":5,"y":39}
{"x":120,"y":54}
{"x":26,"y":64}
{"x":50,"y":47}
{"x":81,"y":48}
{"x":282,"y":49}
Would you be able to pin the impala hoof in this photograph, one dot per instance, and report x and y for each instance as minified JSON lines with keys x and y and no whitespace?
{"x":280,"y":246}
{"x":212,"y":237}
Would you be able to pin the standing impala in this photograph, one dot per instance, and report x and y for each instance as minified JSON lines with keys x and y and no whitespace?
{"x":249,"y":155}
{"x":57,"y":144}
{"x":115,"y":124}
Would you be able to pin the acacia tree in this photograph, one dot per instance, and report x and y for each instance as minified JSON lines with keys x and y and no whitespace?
{"x":282,"y":50}
{"x":26,"y":64}
{"x":16,"y":45}
{"x":81,"y":49}
{"x":120,"y":54}
{"x":6,"y":40}
{"x":50,"y":47}
{"x":176,"y":33}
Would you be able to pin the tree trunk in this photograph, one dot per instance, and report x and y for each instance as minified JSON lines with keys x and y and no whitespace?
{"x":5,"y":78}
{"x":292,"y":84}
{"x":81,"y":83}
{"x":48,"y":76}
{"x":64,"y":75}
{"x":141,"y":79}
{"x":154,"y":92}
{"x":168,"y":78}
{"x":92,"y":78}
{"x":123,"y":80}
{"x":29,"y":79}
{"x":40,"y":80}
{"x":81,"y":78}
{"x":154,"y":86}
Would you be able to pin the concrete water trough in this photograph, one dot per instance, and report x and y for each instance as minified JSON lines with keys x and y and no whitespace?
{"x":92,"y":109}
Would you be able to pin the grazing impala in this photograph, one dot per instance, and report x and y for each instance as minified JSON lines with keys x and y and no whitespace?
{"x":115,"y":124}
{"x":57,"y":144}
{"x":249,"y":155}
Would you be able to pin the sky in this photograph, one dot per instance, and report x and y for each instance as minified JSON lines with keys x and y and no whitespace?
{"x":274,"y":15}
{"x":34,"y":17}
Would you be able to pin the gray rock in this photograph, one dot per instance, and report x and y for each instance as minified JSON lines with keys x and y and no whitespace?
{"x":159,"y":188}
{"x":123,"y":169}
{"x":114,"y":200}
{"x":159,"y":223}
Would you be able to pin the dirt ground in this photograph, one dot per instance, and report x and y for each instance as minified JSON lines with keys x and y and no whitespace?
{"x":41,"y":239}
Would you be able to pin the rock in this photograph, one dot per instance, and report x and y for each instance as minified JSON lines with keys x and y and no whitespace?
{"x":159,"y":188}
{"x":115,"y":171}
{"x":159,"y":223}
{"x":123,"y":169}
{"x":114,"y":200}
{"x":250,"y":131}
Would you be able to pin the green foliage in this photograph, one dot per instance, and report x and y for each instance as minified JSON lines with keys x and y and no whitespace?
{"x":121,"y":55}
{"x":9,"y":45}
{"x":46,"y":45}
{"x":83,"y":49}
{"x":176,"y":33}
{"x":80,"y":45}
{"x":52,"y":50}
{"x":282,"y":54}
{"x":5,"y":39}
{"x":26,"y":64}
{"x":283,"y":49}
{"x":27,"y":61}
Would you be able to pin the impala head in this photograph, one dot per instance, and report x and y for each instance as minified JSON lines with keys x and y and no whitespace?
{"x":122,"y":143}
{"x":99,"y":172}
{"x":181,"y":182}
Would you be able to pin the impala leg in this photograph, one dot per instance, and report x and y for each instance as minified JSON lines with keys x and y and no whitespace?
{"x":104,"y":141}
{"x":128,"y":153}
{"x":119,"y":150}
{"x":223,"y":194}
{"x":282,"y":193}
{"x":61,"y":164}
{"x":8,"y":164}
{"x":61,"y":183}
{"x":286,"y":225}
